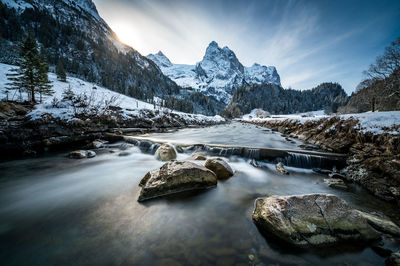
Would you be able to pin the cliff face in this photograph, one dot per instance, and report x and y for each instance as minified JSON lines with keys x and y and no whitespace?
{"x":73,"y":32}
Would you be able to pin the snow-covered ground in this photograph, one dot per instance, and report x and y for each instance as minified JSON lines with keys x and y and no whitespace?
{"x":131,"y":107}
{"x":374,"y":122}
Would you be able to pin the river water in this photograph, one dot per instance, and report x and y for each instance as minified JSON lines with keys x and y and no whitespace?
{"x":58,"y":211}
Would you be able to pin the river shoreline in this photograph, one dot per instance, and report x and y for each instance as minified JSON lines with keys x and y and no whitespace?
{"x":373,"y":159}
{"x":22,"y":137}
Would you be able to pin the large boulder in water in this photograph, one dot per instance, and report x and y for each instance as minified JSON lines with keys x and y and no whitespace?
{"x":166,"y":152}
{"x":174,"y":177}
{"x":311,"y":220}
{"x":220,"y":167}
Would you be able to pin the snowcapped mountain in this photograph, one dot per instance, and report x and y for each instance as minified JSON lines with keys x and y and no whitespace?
{"x":219,"y":74}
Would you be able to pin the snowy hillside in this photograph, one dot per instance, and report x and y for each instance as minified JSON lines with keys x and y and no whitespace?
{"x":218,"y":74}
{"x":131,"y":107}
{"x":374,"y":122}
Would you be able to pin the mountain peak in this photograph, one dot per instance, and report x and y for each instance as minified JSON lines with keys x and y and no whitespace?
{"x":160,"y":59}
{"x":213,"y":44}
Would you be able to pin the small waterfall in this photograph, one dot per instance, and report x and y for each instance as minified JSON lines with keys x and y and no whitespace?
{"x":308,"y":161}
{"x":299,"y":159}
{"x":252,"y":153}
{"x":146,"y":146}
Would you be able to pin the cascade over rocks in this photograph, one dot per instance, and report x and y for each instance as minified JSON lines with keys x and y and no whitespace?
{"x":373,"y":162}
{"x":311,"y":220}
{"x":174,"y":177}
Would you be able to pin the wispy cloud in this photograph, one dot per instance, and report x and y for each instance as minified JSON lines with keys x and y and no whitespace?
{"x":308,"y":41}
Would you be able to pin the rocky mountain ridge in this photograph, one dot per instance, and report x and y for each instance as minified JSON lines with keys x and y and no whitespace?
{"x":219,"y":73}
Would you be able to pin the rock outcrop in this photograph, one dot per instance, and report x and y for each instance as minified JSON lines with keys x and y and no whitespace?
{"x":311,"y":220}
{"x":175,"y":177}
{"x":220,"y":167}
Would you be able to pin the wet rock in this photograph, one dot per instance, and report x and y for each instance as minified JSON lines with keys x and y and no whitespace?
{"x":124,"y":153}
{"x":381,"y":224}
{"x":220,"y":167}
{"x":311,"y":220}
{"x":81,"y":154}
{"x":179,"y":149}
{"x":97,"y":144}
{"x":381,"y":251}
{"x":336,"y":176}
{"x":198,"y":157}
{"x":166,"y":152}
{"x":281,"y":169}
{"x":125,"y":146}
{"x":174,"y":177}
{"x":322,"y":171}
{"x":336,"y":183}
{"x":394,"y":259}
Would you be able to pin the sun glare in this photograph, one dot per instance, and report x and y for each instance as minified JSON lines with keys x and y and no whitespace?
{"x":125,"y":33}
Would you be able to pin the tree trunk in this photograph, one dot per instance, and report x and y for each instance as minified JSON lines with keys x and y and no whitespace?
{"x":33,"y":94}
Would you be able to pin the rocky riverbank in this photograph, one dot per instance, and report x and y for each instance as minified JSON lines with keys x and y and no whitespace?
{"x":22,"y":136}
{"x":373,"y":157}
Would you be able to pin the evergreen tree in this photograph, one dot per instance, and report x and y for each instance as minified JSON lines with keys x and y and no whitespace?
{"x":44,"y":85}
{"x":60,"y":71}
{"x":31,"y":74}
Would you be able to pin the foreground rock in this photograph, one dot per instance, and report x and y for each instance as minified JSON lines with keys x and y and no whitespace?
{"x":381,"y":224}
{"x":311,"y":220}
{"x":174,"y":177}
{"x":81,"y":154}
{"x":394,"y":259}
{"x":281,"y":169}
{"x":220,"y":167}
{"x":166,"y":152}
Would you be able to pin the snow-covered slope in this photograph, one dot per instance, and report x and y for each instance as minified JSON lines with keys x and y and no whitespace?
{"x":131,"y":107}
{"x":373,"y":122}
{"x":73,"y":31}
{"x":218,"y":74}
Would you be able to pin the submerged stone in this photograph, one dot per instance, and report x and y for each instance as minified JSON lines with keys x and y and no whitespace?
{"x":336,"y":183}
{"x":81,"y":154}
{"x":311,"y":220}
{"x":174,"y":177}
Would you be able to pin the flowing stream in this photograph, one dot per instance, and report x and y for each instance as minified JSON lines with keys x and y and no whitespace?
{"x":58,"y":211}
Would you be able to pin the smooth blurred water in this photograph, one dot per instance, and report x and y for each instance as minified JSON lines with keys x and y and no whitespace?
{"x":235,"y":134}
{"x":57,"y":211}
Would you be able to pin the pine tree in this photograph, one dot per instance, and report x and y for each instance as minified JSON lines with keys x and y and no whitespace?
{"x":44,"y":85}
{"x":31,"y":74}
{"x":60,"y":71}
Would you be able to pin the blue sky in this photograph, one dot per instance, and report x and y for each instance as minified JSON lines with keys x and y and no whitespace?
{"x":309,"y":42}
